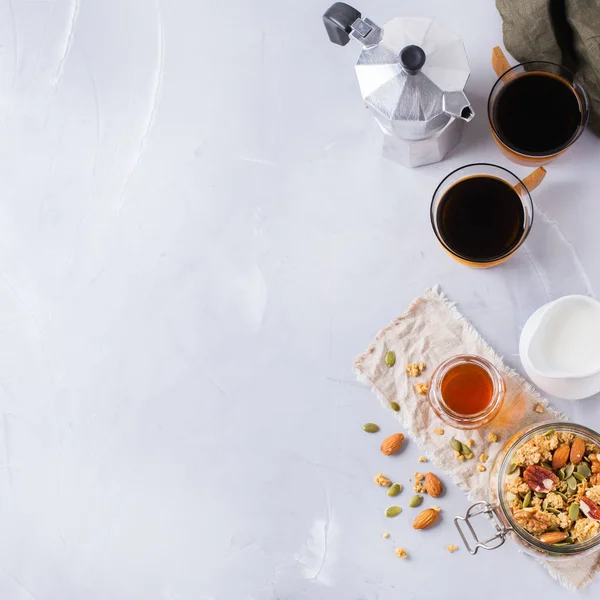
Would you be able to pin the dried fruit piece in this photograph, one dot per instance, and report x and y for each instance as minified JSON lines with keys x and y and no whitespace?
{"x":394,"y":406}
{"x":395,"y":489}
{"x":433,"y":485}
{"x":400,"y":552}
{"x":382,"y":480}
{"x":415,"y":501}
{"x":574,"y":511}
{"x":589,"y":508}
{"x":438,"y":431}
{"x":492,"y":437}
{"x":452,"y":548}
{"x":553,"y":537}
{"x":577,"y":450}
{"x":539,"y":479}
{"x":426,"y":518}
{"x":392,"y":511}
{"x":392,"y":443}
{"x":390,"y":358}
{"x":371,"y":428}
{"x":539,"y":408}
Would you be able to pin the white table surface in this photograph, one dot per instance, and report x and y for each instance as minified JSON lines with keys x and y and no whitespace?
{"x":198,"y":235}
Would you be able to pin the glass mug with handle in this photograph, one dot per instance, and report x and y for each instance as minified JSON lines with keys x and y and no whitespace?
{"x":482,"y":213}
{"x":536,"y":110}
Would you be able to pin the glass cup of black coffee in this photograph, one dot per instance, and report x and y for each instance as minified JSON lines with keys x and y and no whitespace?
{"x":536,"y":111}
{"x":482,"y":213}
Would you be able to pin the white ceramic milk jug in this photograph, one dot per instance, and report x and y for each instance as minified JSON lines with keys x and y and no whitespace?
{"x":560,"y":347}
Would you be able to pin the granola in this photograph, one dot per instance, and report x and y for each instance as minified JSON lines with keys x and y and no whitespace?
{"x":548,"y":493}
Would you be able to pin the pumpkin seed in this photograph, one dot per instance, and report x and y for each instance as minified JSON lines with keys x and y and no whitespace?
{"x":547,"y":465}
{"x":561,"y":474}
{"x":393,"y":511}
{"x":394,"y":406}
{"x":572,"y":483}
{"x":513,"y":467}
{"x":584,"y":470}
{"x":394,"y":490}
{"x":390,"y":358}
{"x":563,"y":496}
{"x":569,"y":471}
{"x":578,"y":476}
{"x":371,"y":427}
{"x":573,"y":511}
{"x":553,"y":511}
{"x":456,"y":445}
{"x":545,"y":504}
{"x":552,"y":528}
{"x":527,"y":500}
{"x":568,"y":540}
{"x":415,"y":501}
{"x":540,"y":494}
{"x":549,"y":432}
{"x":465,"y":450}
{"x":587,"y":460}
{"x":561,"y":543}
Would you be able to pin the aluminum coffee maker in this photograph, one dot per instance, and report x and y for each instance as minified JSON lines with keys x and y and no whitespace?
{"x":411,"y":73}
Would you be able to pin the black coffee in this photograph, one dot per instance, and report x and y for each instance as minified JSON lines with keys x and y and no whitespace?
{"x":481,"y":218}
{"x":536,"y":114}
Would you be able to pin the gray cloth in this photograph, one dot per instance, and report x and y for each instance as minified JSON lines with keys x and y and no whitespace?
{"x":561,"y":31}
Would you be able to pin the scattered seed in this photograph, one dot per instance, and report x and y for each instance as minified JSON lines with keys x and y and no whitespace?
{"x":390,"y":358}
{"x":422,"y":459}
{"x":574,"y":511}
{"x":371,"y":427}
{"x":470,"y":443}
{"x":513,"y":467}
{"x":415,"y":501}
{"x":438,"y":431}
{"x":395,"y":489}
{"x":392,"y":511}
{"x":465,"y":450}
{"x":456,"y":445}
{"x":394,"y":406}
{"x":527,"y":500}
{"x":569,"y":470}
{"x":584,"y":470}
{"x":469,"y":456}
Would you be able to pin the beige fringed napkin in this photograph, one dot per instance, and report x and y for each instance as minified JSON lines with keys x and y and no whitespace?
{"x":430,"y":331}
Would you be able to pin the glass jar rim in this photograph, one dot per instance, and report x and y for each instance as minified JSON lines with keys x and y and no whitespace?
{"x":529,"y":207}
{"x":580,"y":92}
{"x":520,"y":439}
{"x":459,"y":420}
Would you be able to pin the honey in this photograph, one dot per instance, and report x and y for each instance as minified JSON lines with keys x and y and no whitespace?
{"x":467,"y":389}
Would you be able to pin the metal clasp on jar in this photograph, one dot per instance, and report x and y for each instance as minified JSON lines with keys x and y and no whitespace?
{"x":489,"y":510}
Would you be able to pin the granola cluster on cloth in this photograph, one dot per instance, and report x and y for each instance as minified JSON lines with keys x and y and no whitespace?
{"x":553,"y":488}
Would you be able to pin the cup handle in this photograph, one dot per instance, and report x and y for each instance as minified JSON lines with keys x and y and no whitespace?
{"x":499,"y":62}
{"x":533,"y":179}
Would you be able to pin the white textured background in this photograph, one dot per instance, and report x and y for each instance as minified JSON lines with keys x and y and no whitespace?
{"x":197,"y":237}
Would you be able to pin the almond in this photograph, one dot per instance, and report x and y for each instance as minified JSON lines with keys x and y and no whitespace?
{"x":433,"y":485}
{"x":392,"y":443}
{"x":426,"y":518}
{"x":553,"y":537}
{"x":577,"y":450}
{"x":540,"y":479}
{"x":561,"y":456}
{"x":589,"y":508}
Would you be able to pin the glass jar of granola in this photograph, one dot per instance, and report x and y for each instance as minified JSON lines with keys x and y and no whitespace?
{"x":544,"y":493}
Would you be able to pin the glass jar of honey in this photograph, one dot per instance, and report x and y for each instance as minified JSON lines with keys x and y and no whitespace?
{"x":466,"y":391}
